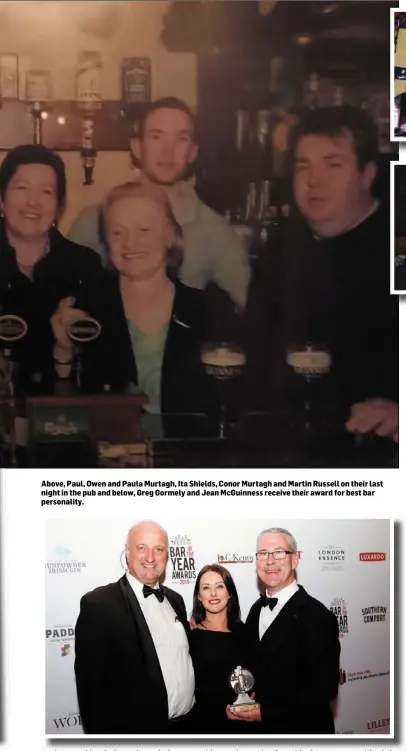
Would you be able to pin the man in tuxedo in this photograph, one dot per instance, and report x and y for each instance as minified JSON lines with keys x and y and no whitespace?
{"x":134,"y":673}
{"x":295,"y":646}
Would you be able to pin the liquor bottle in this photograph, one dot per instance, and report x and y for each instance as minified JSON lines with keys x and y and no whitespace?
{"x":244,"y":220}
{"x":264,"y":150}
{"x":136,"y":81}
{"x":312,"y":92}
{"x":241,"y":165}
{"x":263,"y":221}
{"x":251,"y":205}
{"x":338,"y":96}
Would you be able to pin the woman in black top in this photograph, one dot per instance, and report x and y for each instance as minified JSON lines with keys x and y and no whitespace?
{"x":38,"y":266}
{"x":153,"y":326}
{"x":217,"y":647}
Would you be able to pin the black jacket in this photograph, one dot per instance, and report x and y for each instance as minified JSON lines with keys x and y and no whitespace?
{"x":68,"y":269}
{"x":197,"y":317}
{"x":119,"y":681}
{"x":334,"y":292}
{"x":296,"y":667}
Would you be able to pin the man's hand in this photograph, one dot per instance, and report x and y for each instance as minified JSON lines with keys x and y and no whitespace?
{"x":380,"y":416}
{"x":63,"y":317}
{"x":253,"y":715}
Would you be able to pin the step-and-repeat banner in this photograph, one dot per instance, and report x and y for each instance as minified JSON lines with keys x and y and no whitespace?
{"x":344,"y":564}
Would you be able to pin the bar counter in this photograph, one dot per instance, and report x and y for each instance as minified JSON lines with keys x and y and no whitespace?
{"x":109,"y":431}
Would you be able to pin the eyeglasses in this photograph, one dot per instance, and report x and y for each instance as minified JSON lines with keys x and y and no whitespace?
{"x":277,"y":555}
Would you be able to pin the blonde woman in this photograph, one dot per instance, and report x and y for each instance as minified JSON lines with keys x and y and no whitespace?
{"x":153,"y":326}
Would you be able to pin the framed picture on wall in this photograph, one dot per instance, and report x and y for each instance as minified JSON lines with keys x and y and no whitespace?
{"x":16,"y":125}
{"x":9,"y":76}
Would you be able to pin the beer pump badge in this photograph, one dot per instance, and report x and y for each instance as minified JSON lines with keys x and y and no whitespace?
{"x":12,"y":328}
{"x":84,"y":330}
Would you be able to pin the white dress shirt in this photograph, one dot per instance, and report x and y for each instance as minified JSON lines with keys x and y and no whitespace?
{"x":267,"y":616}
{"x":172,"y":648}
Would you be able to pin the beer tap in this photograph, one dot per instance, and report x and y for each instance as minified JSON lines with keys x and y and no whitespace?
{"x":89,"y":102}
{"x":37,"y":94}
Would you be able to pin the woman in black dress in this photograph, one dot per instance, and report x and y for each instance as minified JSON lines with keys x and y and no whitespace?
{"x":217,"y":648}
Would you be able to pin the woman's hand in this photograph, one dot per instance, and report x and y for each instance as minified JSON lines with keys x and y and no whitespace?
{"x":64,"y":316}
{"x":251,"y":715}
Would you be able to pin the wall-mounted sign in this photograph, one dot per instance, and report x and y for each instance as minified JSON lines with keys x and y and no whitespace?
{"x":8,"y":77}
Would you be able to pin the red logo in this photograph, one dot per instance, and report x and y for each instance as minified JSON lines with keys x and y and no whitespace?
{"x":372,"y":557}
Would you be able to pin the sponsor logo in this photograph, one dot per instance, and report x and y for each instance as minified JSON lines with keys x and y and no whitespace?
{"x":331,"y":558}
{"x":226,"y":558}
{"x":182,"y":559}
{"x":374,"y":613}
{"x":62,"y":635}
{"x":339,"y":608}
{"x":359,"y":675}
{"x":378,"y":726}
{"x":73,"y":720}
{"x":372,"y":557}
{"x":64,"y":562}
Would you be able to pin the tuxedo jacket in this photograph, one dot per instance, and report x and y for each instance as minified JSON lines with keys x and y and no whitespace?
{"x":119,"y":681}
{"x":296,"y":666}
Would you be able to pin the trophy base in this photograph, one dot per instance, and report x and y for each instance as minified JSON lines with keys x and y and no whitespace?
{"x":247,"y":707}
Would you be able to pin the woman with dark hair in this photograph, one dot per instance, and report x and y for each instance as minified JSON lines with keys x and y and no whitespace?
{"x":217,"y":648}
{"x":38,"y":266}
{"x":153,"y":326}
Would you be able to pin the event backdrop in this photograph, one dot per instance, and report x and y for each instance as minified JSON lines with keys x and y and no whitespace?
{"x":345,"y":564}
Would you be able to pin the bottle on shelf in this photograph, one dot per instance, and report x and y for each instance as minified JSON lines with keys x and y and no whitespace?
{"x":312,"y":92}
{"x":244,"y":218}
{"x":262,"y":224}
{"x":338,"y":96}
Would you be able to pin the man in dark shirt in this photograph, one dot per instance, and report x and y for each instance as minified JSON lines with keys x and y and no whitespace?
{"x":328,"y":282}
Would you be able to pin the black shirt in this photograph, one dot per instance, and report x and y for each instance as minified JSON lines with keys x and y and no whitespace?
{"x":66,"y":269}
{"x":333,"y":291}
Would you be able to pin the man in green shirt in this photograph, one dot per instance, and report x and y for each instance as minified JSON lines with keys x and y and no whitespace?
{"x":165,"y":148}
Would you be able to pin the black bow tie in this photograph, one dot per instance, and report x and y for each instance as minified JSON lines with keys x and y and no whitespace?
{"x":270,"y":602}
{"x":158,"y":592}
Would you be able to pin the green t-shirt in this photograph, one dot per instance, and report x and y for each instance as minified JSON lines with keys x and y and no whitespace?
{"x":148,"y":351}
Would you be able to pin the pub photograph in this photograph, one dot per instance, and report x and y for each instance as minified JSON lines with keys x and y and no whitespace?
{"x":195,"y":235}
{"x":400,"y":74}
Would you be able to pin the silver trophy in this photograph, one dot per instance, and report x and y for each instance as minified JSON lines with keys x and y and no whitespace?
{"x":241,"y":681}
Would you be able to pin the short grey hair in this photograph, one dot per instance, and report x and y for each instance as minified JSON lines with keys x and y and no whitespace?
{"x":149,"y":522}
{"x":279,"y":530}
